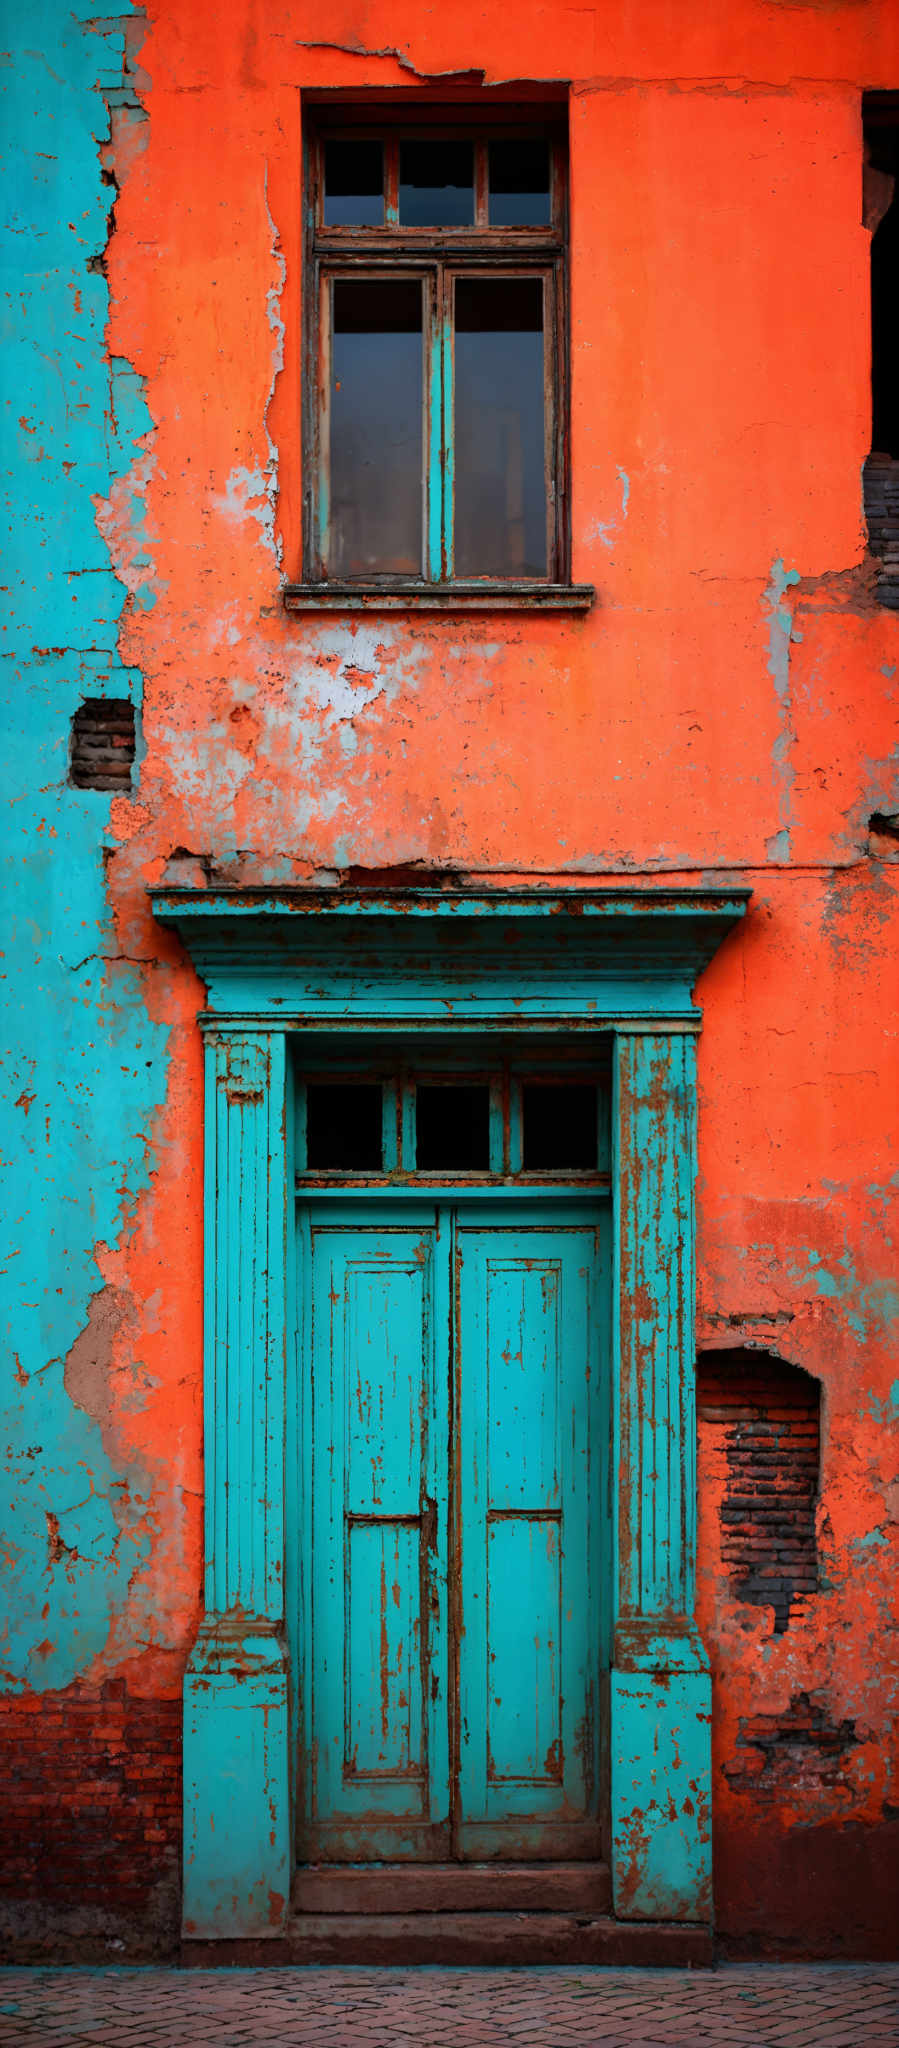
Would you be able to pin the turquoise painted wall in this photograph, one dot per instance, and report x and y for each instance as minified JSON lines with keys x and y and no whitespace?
{"x":85,"y":1067}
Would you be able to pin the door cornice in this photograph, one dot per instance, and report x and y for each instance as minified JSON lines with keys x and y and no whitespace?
{"x":499,"y":959}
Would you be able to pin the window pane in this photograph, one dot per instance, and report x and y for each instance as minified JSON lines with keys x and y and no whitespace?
{"x":500,"y":496}
{"x":354,"y":185}
{"x":519,"y":184}
{"x":452,"y":1129}
{"x":376,"y":427}
{"x":560,"y":1127}
{"x":436,"y":184}
{"x":343,"y":1127}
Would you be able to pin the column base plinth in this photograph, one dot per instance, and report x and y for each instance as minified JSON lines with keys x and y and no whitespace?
{"x":661,"y":1718}
{"x":236,"y":1782}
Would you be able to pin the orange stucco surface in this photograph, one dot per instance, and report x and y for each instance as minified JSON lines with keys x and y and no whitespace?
{"x":725,"y":713}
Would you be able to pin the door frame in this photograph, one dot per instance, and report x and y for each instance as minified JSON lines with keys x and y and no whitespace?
{"x":572,"y":961}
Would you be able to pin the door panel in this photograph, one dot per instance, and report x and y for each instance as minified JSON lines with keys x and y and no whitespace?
{"x":527,"y":1391}
{"x":376,"y":1649}
{"x":451,"y":1711}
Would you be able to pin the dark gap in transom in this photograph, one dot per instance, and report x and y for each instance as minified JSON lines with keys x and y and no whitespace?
{"x":452,"y":1129}
{"x":519,"y":183}
{"x":437,"y":184}
{"x":354,"y":185}
{"x":559,"y":1127}
{"x":343,"y":1127}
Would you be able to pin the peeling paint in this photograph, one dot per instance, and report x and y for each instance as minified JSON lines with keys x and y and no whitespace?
{"x":781,"y":633}
{"x":92,"y":1057}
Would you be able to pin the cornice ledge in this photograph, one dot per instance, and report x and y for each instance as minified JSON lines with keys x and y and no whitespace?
{"x":516,"y":953}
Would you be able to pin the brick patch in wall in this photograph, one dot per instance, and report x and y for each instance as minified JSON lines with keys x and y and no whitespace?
{"x":103,"y":743}
{"x":90,"y":1818}
{"x":759,"y":1418}
{"x":783,"y":1751}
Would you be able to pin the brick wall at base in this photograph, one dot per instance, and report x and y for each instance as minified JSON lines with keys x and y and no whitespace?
{"x":90,"y":1816}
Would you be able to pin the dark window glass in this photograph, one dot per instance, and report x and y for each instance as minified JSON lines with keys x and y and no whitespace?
{"x":343,"y":1127}
{"x":882,"y":165}
{"x":376,"y":427}
{"x":500,"y":478}
{"x":436,"y":184}
{"x":560,"y":1127}
{"x":452,"y":1129}
{"x":519,"y":184}
{"x":354,"y":185}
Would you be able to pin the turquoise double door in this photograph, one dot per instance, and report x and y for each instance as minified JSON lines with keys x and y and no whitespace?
{"x":454,"y":1539}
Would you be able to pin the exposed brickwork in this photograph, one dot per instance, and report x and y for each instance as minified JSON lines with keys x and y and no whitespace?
{"x":778,"y":1751}
{"x":781,"y":1752}
{"x":103,"y":743}
{"x":762,"y":1416}
{"x":881,"y":481}
{"x":90,"y":1818}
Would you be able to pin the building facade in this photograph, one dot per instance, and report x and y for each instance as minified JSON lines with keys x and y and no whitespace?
{"x":451,"y":681}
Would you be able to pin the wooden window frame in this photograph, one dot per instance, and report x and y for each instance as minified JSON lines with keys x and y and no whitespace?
{"x":503,"y":1077}
{"x":438,"y":256}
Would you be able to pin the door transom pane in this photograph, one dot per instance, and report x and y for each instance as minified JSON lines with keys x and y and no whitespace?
{"x":498,"y":1123}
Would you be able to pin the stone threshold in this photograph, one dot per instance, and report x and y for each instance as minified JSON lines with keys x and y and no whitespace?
{"x":525,"y":1939}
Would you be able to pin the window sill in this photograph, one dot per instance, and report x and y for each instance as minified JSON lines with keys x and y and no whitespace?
{"x":438,"y":597}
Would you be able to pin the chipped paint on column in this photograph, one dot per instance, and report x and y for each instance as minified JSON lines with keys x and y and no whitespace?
{"x":237,"y":1822}
{"x":655,"y":1132}
{"x":660,"y":1688}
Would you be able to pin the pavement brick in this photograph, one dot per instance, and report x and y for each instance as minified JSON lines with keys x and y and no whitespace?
{"x":735,"y":2006}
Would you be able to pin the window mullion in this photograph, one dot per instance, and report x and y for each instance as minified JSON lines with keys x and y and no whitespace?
{"x":407,"y":1134}
{"x":481,"y":195}
{"x":448,"y":449}
{"x":557,"y":396}
{"x":435,"y":443}
{"x":325,"y":340}
{"x":392,"y":181}
{"x":433,"y":483}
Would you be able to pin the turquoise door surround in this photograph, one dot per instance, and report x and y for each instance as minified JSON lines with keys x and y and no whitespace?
{"x":569,"y":962}
{"x":453,"y":1440}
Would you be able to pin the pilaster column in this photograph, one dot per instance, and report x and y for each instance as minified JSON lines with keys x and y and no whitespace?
{"x":236,"y":1734}
{"x":660,"y":1684}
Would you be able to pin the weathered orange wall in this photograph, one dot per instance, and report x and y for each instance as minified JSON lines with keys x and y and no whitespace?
{"x":726,"y":712}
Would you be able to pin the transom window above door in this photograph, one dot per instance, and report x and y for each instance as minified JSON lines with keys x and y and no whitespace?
{"x":507,"y":1123}
{"x":436,"y":409}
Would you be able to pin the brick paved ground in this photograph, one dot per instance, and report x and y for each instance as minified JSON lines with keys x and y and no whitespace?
{"x":736,"y":2006}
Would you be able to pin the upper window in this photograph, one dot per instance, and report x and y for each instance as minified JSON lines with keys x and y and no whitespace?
{"x":435,"y":416}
